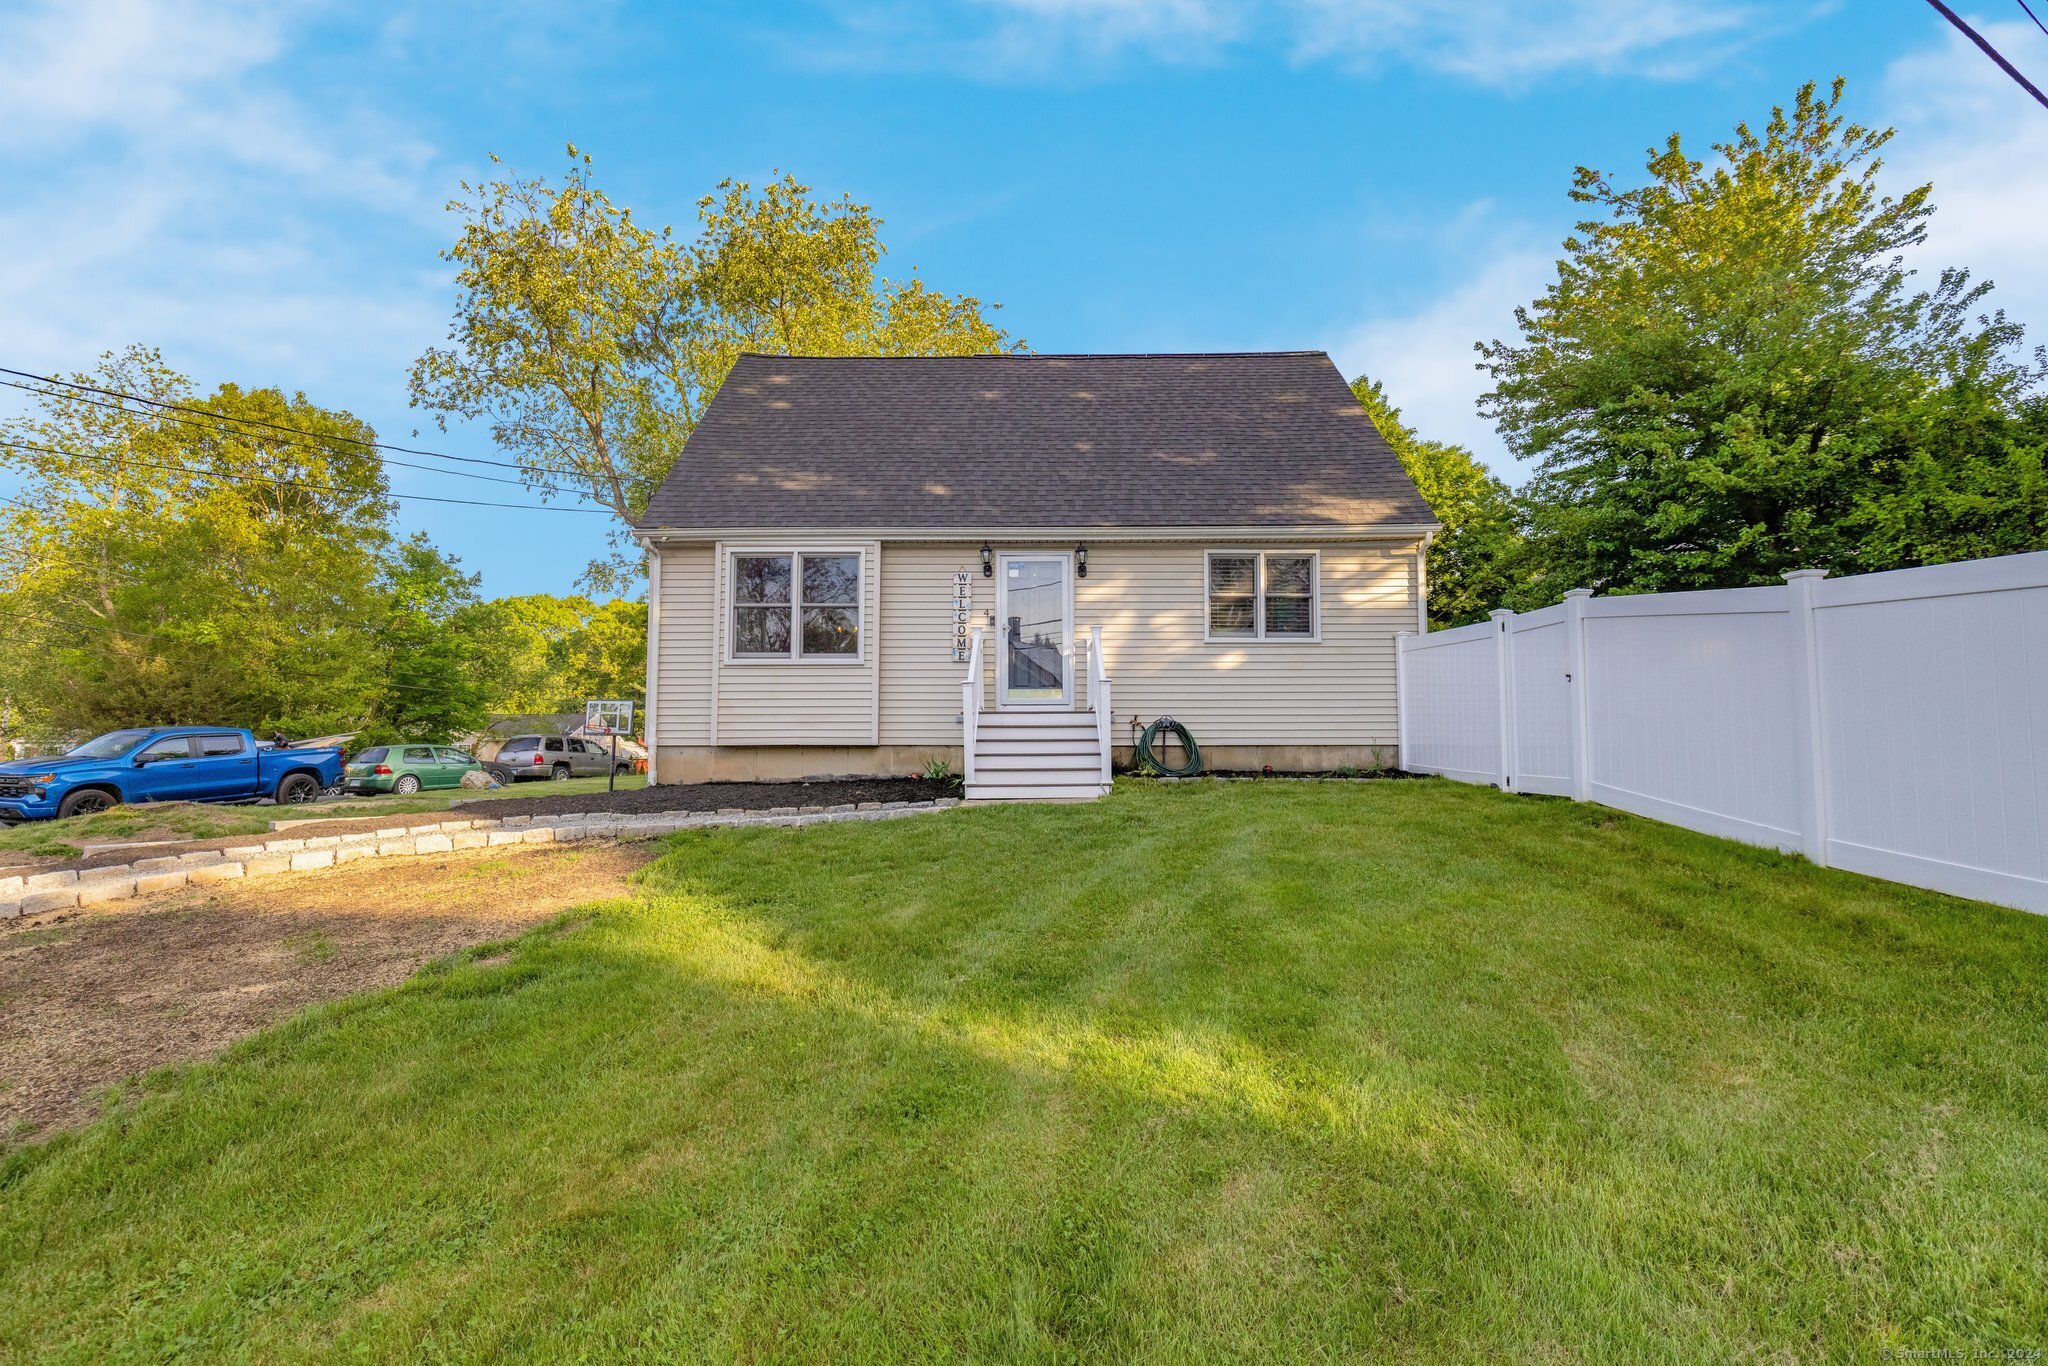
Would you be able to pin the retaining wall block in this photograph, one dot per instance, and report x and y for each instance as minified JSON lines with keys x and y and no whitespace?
{"x":245,"y":851}
{"x":468,"y":839}
{"x":349,"y":853}
{"x":539,"y":834}
{"x":283,"y":846}
{"x":393,"y":848}
{"x":392,"y":832}
{"x":48,"y":882}
{"x":504,"y":837}
{"x":263,"y":865}
{"x":154,"y":865}
{"x":105,"y":889}
{"x":167,"y":881}
{"x":210,"y":872}
{"x":10,"y":887}
{"x":359,"y":837}
{"x":312,"y":858}
{"x":432,"y":844}
{"x":35,"y":903}
{"x":322,"y":841}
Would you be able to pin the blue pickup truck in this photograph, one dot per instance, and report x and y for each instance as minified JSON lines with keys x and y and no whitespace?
{"x":163,"y":764}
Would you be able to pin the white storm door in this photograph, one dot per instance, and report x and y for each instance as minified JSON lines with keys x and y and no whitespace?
{"x":1034,"y":629}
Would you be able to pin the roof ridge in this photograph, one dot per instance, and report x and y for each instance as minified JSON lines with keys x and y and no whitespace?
{"x":1049,"y":355}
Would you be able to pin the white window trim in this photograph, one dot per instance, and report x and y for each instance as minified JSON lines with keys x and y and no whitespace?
{"x":796,"y":655}
{"x":1258,"y":635}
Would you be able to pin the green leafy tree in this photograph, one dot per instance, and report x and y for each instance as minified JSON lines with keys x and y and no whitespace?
{"x":161,"y":568}
{"x":1473,"y":561}
{"x":430,"y":686}
{"x":548,"y":655}
{"x":1734,"y":375}
{"x":591,"y":343}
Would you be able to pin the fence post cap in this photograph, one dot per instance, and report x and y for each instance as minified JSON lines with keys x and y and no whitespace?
{"x":1796,"y":575}
{"x":1499,"y":612}
{"x":1578,"y":593}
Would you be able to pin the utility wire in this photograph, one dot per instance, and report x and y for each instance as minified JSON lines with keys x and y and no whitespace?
{"x":2035,"y":17}
{"x":254,"y":421}
{"x":287,"y":441}
{"x":1993,"y":53}
{"x":283,"y":483}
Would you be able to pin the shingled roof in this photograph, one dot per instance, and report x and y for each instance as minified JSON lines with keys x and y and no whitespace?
{"x":984,"y":443}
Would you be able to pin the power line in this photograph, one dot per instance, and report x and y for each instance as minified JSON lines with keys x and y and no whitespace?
{"x":255,"y":421}
{"x":2035,"y":17}
{"x":303,"y":445}
{"x":1993,"y":53}
{"x":284,"y":483}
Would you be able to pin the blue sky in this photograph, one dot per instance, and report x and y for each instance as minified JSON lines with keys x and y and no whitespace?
{"x":258,"y":189}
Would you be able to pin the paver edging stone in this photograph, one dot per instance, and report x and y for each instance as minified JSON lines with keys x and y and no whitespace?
{"x":35,"y":893}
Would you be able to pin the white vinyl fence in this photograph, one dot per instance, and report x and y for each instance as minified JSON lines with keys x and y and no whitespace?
{"x":1893,"y":724}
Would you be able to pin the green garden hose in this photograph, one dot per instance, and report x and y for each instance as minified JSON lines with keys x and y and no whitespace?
{"x":1148,"y":751}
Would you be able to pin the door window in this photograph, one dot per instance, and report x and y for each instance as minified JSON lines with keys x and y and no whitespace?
{"x":419,"y":754}
{"x":215,"y":746}
{"x":554,"y":746}
{"x":453,"y":756}
{"x":1034,"y":628}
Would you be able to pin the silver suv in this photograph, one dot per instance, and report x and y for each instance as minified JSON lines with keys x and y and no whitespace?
{"x":559,"y":757}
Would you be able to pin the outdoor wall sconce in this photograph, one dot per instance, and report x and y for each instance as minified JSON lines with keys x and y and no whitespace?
{"x":988,"y":561}
{"x":1080,"y":561}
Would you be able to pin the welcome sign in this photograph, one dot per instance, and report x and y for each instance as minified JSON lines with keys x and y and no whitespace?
{"x":963,"y":604}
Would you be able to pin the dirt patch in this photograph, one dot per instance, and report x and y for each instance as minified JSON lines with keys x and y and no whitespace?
{"x":723,"y":796}
{"x":88,"y":999}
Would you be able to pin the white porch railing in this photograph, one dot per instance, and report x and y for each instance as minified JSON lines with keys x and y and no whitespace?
{"x":1098,"y":696}
{"x":970,"y":701}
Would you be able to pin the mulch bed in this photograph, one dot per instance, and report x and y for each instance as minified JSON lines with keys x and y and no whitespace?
{"x":721,"y":797}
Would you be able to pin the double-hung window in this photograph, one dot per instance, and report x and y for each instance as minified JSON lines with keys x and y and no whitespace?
{"x":796,"y":605}
{"x":1263,"y":595}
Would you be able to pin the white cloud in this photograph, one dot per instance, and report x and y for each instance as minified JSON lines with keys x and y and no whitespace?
{"x":1489,"y":42}
{"x":169,"y":186}
{"x":1425,"y":359}
{"x":1983,"y":143}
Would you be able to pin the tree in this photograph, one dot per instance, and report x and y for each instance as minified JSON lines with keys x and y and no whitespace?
{"x":158,"y":567}
{"x":1472,"y":561}
{"x":1733,"y":375}
{"x":554,"y":654}
{"x":591,"y":344}
{"x":430,"y":688}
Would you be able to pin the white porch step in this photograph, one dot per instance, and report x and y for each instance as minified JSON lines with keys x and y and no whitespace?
{"x":1088,"y":761}
{"x":1041,"y":756}
{"x":1050,"y":792}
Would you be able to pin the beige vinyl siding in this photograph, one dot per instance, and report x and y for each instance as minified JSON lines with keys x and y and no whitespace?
{"x":796,"y":702}
{"x":1150,"y":602}
{"x":683,"y":698}
{"x":1149,"y":599}
{"x":920,"y":679}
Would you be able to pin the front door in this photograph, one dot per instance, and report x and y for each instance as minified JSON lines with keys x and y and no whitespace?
{"x":1034,"y":629}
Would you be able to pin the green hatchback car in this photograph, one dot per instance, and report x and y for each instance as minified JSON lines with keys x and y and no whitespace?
{"x":406,"y":769}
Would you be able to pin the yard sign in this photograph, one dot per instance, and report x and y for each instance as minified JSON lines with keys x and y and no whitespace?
{"x":613,"y":718}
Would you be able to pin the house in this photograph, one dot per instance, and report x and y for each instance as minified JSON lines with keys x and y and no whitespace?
{"x":1008,"y":562}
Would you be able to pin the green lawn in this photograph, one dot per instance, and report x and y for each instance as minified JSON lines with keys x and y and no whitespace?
{"x":1202,"y":1071}
{"x":192,"y":820}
